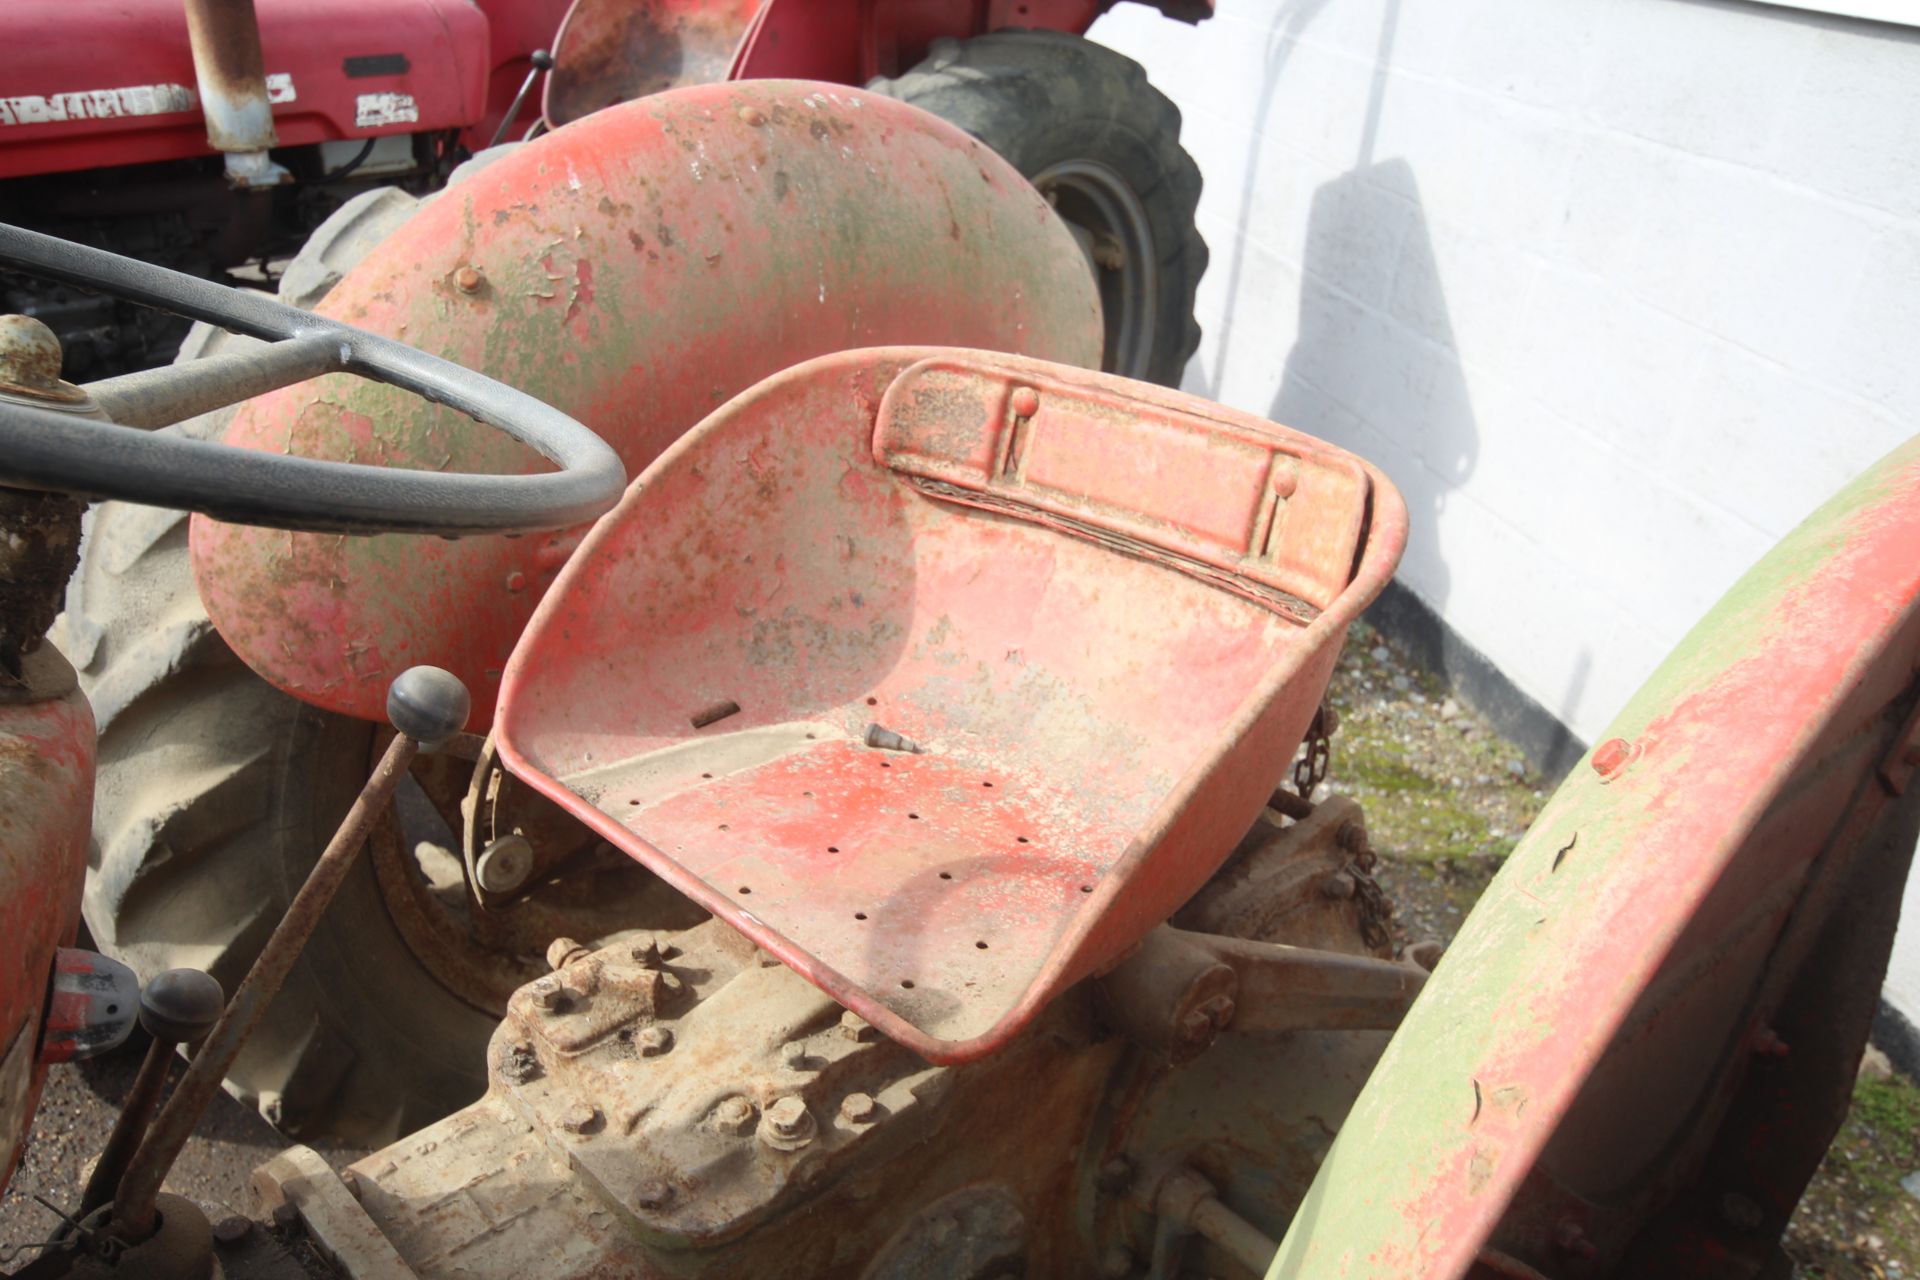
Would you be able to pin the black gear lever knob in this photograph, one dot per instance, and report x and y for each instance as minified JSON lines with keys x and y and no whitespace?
{"x":428,"y":705}
{"x":181,"y":1005}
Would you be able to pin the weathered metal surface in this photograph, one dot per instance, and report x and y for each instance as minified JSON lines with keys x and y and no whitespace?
{"x":337,"y":1225}
{"x":133,"y":1208}
{"x":46,"y":775}
{"x":723,"y":1154}
{"x":1610,"y":982}
{"x":1172,"y":995}
{"x":126,"y":95}
{"x":639,"y":268}
{"x":817,"y":554}
{"x":678,"y":1104}
{"x":30,"y":361}
{"x":613,"y":51}
{"x":1186,"y":1202}
{"x":230,"y":72}
{"x":93,"y":1002}
{"x":1291,"y":882}
{"x":173,"y":393}
{"x":1180,"y":990}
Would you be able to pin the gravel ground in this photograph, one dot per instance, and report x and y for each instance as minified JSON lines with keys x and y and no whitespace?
{"x":1446,"y":799}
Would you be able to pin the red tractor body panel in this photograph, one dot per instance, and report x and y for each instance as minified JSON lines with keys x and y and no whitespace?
{"x":46,"y":775}
{"x":636,"y":269}
{"x":125,"y":94}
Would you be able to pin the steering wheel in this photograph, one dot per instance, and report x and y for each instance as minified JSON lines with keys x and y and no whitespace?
{"x":50,"y":450}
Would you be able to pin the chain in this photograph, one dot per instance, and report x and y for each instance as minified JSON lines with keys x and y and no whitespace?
{"x":1311,"y":769}
{"x":1376,"y":913}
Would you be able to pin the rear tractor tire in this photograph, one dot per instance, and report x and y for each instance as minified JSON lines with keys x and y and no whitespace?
{"x":1082,"y":124}
{"x":216,"y":794}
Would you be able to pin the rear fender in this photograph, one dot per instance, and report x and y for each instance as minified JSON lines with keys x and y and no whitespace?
{"x":1591,"y":1054}
{"x":635,"y":270}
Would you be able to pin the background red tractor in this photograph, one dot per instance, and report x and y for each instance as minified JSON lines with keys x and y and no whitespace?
{"x":117,"y":139}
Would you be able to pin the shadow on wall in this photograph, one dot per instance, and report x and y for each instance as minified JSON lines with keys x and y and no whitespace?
{"x":1376,"y":368}
{"x":1386,"y":381}
{"x":1354,"y":366}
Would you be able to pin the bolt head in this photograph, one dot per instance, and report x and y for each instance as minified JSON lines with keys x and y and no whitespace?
{"x":285,"y":1215}
{"x":734,"y":1115}
{"x":1339,"y":886}
{"x":787,"y":1115}
{"x":855,"y":1027}
{"x":580,"y":1117}
{"x":649,"y":955}
{"x":561,"y":950}
{"x":30,"y":354}
{"x":468,"y":279}
{"x":546,"y":993}
{"x":428,"y":704}
{"x":753,"y":117}
{"x":519,"y":1062}
{"x":181,"y":1005}
{"x":1286,"y":479}
{"x":858,"y":1108}
{"x":787,"y":1124}
{"x":654,"y":1041}
{"x":652,"y":1194}
{"x":231,"y":1230}
{"x":1611,"y":756}
{"x":1025,"y":402}
{"x":794,"y":1055}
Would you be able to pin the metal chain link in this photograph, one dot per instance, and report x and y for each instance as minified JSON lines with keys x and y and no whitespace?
{"x":1311,"y":769}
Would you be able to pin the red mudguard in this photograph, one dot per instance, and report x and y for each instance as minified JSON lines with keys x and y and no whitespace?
{"x":635,"y":269}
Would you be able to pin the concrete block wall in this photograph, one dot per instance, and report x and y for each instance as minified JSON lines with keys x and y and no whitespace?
{"x":1615,"y":290}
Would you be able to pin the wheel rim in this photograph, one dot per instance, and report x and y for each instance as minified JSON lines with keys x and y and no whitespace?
{"x":480,"y":957}
{"x":1111,"y":223}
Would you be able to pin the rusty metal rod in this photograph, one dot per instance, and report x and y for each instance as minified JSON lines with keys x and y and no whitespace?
{"x":175,"y":392}
{"x":133,"y":1212}
{"x":138,"y":1109}
{"x":1249,"y":1245}
{"x":230,"y":71}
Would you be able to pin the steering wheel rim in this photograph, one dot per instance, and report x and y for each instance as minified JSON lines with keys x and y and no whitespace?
{"x":49,"y":450}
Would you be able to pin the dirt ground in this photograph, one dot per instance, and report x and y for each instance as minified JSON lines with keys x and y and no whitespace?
{"x":1446,"y":800}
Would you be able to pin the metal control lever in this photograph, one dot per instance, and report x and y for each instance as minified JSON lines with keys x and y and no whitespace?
{"x":542,"y":61}
{"x":178,"y":1007}
{"x":427,"y":706}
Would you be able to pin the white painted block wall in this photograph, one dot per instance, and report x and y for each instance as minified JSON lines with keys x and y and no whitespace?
{"x":1616,"y":291}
